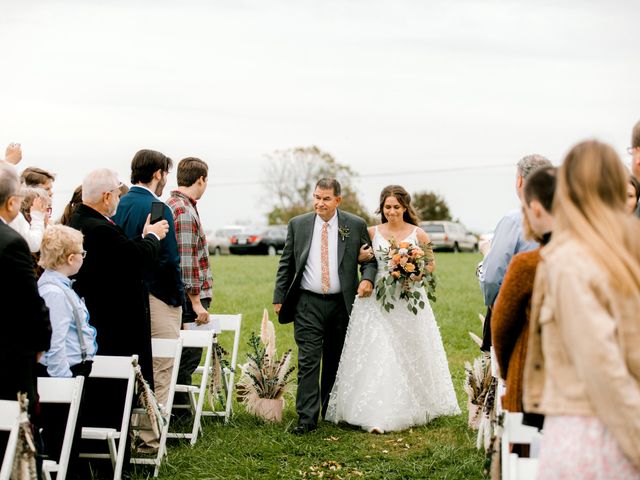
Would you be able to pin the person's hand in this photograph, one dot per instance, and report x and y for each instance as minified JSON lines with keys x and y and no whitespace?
{"x":365,"y":254}
{"x":39,"y":205}
{"x":202,"y":316}
{"x":365,"y":288}
{"x":13,"y":153}
{"x":277,"y":307}
{"x":39,"y":356}
{"x":159,"y":228}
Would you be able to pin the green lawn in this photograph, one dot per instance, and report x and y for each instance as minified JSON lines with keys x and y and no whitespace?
{"x":246,"y":448}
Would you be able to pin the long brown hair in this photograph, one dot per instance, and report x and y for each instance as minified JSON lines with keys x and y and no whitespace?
{"x":76,"y":199}
{"x":404,"y":199}
{"x":589,"y":206}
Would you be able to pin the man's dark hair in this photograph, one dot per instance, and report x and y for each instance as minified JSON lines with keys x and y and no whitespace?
{"x":330,"y":183}
{"x":147,"y":162}
{"x":541,"y":185}
{"x":34,"y":177}
{"x":635,"y":136}
{"x":190,"y":169}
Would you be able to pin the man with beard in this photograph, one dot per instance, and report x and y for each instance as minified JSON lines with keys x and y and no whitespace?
{"x":149,"y":171}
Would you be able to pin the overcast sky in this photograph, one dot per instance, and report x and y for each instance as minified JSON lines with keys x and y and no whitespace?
{"x":386,"y":87}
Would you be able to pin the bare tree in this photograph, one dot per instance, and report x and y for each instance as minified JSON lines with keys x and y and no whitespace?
{"x":291,"y":175}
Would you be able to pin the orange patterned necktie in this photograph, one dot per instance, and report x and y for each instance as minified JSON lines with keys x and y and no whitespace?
{"x":324,"y":257}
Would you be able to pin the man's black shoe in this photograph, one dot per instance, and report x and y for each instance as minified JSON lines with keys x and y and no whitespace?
{"x":303,"y":428}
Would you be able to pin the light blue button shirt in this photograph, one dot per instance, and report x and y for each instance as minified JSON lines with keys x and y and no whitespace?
{"x":65,"y":348}
{"x":507,"y":241}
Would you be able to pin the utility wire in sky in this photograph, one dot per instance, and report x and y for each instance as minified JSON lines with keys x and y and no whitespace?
{"x":385,"y":174}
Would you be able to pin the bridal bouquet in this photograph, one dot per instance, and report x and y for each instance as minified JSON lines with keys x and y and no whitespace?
{"x":405,"y":269}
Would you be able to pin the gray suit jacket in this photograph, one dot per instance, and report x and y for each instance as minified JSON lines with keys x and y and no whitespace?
{"x":296,"y":251}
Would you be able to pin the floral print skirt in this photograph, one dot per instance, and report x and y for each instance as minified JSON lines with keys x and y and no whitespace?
{"x":581,"y":447}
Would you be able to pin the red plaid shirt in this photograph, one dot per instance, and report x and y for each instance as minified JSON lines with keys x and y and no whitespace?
{"x":192,"y":245}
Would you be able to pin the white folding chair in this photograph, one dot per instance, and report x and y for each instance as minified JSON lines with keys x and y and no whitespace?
{"x":114,"y":367}
{"x":62,"y":390}
{"x":513,"y":467}
{"x":226,"y":323}
{"x":196,"y":339}
{"x":9,"y":422}
{"x":163,"y":348}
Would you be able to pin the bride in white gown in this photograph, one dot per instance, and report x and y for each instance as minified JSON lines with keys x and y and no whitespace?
{"x":393,"y":371}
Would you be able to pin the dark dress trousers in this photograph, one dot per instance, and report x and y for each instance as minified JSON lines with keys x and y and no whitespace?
{"x":25,"y":320}
{"x":320,"y":321}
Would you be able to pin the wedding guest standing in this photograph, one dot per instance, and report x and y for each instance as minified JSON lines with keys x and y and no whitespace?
{"x":508,"y":240}
{"x":111,"y":277}
{"x":192,"y":176}
{"x":583,"y":367}
{"x":149,"y":172}
{"x":26,"y":331}
{"x":316,"y":284}
{"x":510,"y":320}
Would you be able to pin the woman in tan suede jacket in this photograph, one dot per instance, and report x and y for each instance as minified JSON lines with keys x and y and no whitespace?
{"x":583,"y":364}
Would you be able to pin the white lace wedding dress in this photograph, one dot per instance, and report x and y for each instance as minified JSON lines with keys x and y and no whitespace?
{"x":393,"y":371}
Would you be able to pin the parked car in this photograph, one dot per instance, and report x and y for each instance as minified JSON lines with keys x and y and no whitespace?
{"x":265,"y":241}
{"x":450,"y":236}
{"x":219,"y":240}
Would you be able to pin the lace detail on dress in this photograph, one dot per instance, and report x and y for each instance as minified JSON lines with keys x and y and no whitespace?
{"x":393,"y":371}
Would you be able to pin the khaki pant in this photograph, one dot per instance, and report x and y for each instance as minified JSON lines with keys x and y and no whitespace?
{"x":165,"y":323}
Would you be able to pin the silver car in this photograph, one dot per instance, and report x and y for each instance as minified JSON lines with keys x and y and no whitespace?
{"x":220,"y":239}
{"x":450,"y":236}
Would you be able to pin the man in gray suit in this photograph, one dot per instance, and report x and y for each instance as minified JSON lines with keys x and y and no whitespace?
{"x":316,"y":285}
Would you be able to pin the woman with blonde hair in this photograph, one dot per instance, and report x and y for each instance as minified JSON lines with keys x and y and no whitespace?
{"x":583,"y":365}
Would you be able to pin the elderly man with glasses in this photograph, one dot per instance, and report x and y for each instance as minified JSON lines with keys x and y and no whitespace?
{"x":111,"y":281}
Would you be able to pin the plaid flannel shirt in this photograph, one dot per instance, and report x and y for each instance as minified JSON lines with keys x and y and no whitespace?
{"x":192,"y":245}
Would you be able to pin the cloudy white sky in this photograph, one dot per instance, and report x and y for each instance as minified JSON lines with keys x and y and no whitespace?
{"x":387,"y":87}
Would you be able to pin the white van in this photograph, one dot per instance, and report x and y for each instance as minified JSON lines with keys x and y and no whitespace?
{"x":450,"y":236}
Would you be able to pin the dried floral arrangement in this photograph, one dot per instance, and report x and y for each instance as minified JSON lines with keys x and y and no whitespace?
{"x":265,"y":379}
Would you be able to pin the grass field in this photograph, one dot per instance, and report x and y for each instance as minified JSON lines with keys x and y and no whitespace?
{"x":247,"y":448}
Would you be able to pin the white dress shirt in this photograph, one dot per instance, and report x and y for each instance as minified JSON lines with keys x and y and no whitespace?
{"x":312,"y":275}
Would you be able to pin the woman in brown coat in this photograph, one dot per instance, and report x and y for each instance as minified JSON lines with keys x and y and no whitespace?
{"x":510,"y":321}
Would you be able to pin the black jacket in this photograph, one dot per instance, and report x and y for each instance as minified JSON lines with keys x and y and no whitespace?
{"x":111,"y":282}
{"x":24,"y":317}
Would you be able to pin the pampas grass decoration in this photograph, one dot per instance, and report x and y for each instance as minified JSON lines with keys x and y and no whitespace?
{"x":24,"y":461}
{"x":149,"y":401}
{"x":265,"y":379}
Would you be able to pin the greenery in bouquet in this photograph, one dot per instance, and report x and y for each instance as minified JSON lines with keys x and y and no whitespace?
{"x":406,"y":273}
{"x":264,"y":376}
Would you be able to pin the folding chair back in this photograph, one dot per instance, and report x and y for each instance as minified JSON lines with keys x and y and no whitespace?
{"x":62,"y":390}
{"x":9,"y":422}
{"x":164,"y":348}
{"x":514,"y":431}
{"x":113,"y":367}
{"x":196,"y":339}
{"x":228,"y":323}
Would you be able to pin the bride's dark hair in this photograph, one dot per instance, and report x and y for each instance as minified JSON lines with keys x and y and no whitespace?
{"x":404,"y":199}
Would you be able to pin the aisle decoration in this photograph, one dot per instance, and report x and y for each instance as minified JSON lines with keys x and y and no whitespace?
{"x":405,"y":272}
{"x":265,"y":379}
